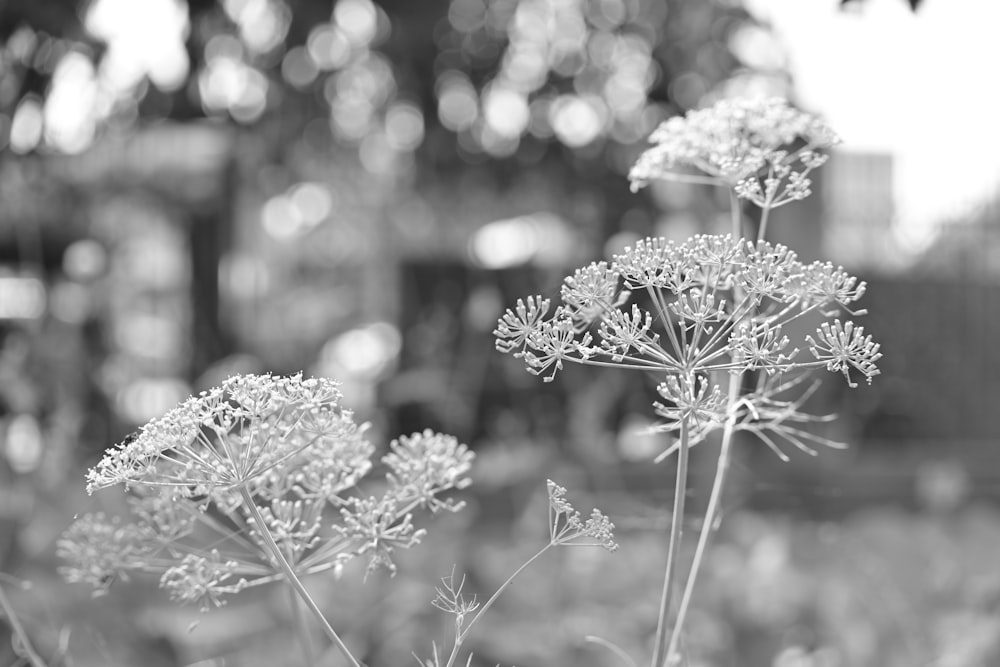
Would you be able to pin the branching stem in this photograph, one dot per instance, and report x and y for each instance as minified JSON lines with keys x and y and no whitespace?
{"x":673,"y":550}
{"x":711,"y":513}
{"x":460,"y":637}
{"x":293,"y":579}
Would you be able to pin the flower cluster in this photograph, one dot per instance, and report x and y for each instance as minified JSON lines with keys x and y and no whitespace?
{"x":690,"y":311}
{"x":752,"y":144}
{"x":567,"y":527}
{"x":259,"y":460}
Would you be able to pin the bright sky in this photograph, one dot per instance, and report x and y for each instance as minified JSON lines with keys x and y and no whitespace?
{"x":922,"y":86}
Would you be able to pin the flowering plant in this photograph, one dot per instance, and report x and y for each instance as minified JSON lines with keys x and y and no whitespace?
{"x":267,"y":478}
{"x":259,"y":480}
{"x":254,"y":481}
{"x":710,"y":317}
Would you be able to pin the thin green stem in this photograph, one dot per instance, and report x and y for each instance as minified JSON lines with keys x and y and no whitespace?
{"x":22,"y":636}
{"x":616,"y":650}
{"x":503,"y":586}
{"x":711,"y":513}
{"x":673,"y":550}
{"x":661,"y":308}
{"x":734,"y":205}
{"x":690,"y":178}
{"x":293,"y":579}
{"x":308,"y":654}
{"x":462,"y":634}
{"x":764,"y":214}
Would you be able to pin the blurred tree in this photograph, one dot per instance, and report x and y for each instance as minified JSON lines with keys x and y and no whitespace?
{"x":914,"y":4}
{"x":439,"y":96}
{"x":488,"y":78}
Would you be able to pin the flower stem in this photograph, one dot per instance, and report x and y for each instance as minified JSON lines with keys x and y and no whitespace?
{"x":18,"y":630}
{"x":765,"y":211}
{"x":734,"y":207}
{"x":460,"y":637}
{"x":303,"y":630}
{"x":293,"y":580}
{"x":711,"y":513}
{"x":503,"y":586}
{"x":676,"y":530}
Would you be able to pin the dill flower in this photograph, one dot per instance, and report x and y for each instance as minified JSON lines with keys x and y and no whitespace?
{"x":202,"y":580}
{"x":734,"y":140}
{"x":239,"y":433}
{"x":842,"y":346}
{"x":516,"y":326}
{"x":98,"y":549}
{"x":566,"y":527}
{"x":425,"y":464}
{"x":693,"y":313}
{"x":260,"y":463}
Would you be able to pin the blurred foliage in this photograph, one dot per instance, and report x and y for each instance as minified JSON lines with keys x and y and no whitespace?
{"x":883,"y":588}
{"x":914,"y":4}
{"x":492,"y":78}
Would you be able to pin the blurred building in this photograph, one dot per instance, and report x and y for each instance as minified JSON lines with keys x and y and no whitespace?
{"x":856,"y":195}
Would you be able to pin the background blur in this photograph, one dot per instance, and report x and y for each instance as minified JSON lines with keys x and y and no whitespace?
{"x":358,"y":189}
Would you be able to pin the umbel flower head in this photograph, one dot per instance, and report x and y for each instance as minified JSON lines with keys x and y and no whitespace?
{"x":251,"y":430}
{"x":753,"y":144}
{"x":694,"y":313}
{"x":259,"y":456}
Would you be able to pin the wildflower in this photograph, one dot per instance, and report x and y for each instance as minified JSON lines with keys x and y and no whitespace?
{"x":425,"y":464}
{"x":714,"y":259}
{"x":566,"y":527}
{"x":202,"y":580}
{"x":827,"y":285}
{"x":294,"y":524}
{"x":767,"y":269}
{"x":842,"y":346}
{"x":515,"y":328}
{"x":590,"y":293}
{"x":694,"y":399}
{"x":553,"y":343}
{"x":711,"y":298}
{"x":99,"y":550}
{"x":621,"y":331}
{"x":378,"y":528}
{"x":732,"y":141}
{"x":758,"y":345}
{"x":654,"y":263}
{"x":233,"y":489}
{"x":230,"y":435}
{"x":700,"y":308}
